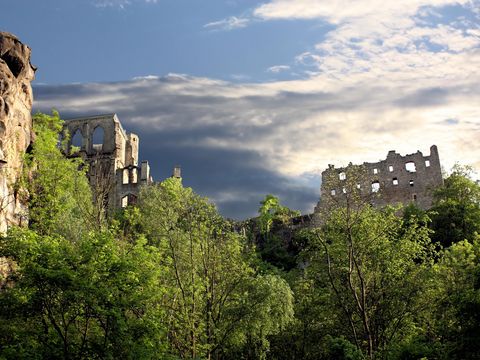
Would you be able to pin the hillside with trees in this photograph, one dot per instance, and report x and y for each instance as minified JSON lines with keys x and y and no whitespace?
{"x":170,"y":278}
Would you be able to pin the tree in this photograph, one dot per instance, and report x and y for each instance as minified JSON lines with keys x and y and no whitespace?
{"x":275,"y":235}
{"x":456,"y":310}
{"x":95,"y":297}
{"x":272,"y":211}
{"x":372,"y":265}
{"x":216,"y":303}
{"x":76,"y":289}
{"x":60,"y":199}
{"x":456,"y":209}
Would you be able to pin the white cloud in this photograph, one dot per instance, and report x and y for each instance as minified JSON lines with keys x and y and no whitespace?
{"x":386,"y":77}
{"x":230,"y":23}
{"x":298,"y":127}
{"x":146,"y":77}
{"x":278,"y":68}
{"x":339,"y":11}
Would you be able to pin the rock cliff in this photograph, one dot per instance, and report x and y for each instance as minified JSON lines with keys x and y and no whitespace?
{"x":16,"y":134}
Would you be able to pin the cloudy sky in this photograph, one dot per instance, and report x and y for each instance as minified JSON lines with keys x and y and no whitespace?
{"x":255,"y":97}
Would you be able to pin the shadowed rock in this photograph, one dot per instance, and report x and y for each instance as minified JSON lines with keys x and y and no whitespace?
{"x":16,"y":99}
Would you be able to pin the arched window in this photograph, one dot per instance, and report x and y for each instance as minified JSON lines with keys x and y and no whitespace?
{"x":98,"y":138}
{"x":77,"y":139}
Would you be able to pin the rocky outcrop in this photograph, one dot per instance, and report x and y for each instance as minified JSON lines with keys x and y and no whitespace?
{"x":16,"y":99}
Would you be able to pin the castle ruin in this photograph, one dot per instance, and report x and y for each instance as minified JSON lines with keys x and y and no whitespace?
{"x":111,"y":153}
{"x":396,"y":180}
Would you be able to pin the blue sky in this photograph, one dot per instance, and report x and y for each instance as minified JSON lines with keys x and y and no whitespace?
{"x":256,"y":97}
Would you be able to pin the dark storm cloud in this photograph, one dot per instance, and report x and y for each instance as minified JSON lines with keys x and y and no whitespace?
{"x":238,"y":142}
{"x":173,"y":129}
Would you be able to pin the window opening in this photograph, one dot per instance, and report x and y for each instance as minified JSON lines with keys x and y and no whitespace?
{"x":427,"y":163}
{"x":77,"y":139}
{"x":98,"y":138}
{"x":134,"y":176}
{"x":411,"y":182}
{"x":395,"y":181}
{"x":375,"y":171}
{"x":125,"y":201}
{"x":375,"y":186}
{"x":410,"y":166}
{"x":342,"y":176}
{"x":125,"y":176}
{"x":390,"y":168}
{"x":333,"y":192}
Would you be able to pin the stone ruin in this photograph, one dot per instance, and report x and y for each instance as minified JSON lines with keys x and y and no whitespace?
{"x":111,"y":153}
{"x":396,"y":180}
{"x":16,"y":73}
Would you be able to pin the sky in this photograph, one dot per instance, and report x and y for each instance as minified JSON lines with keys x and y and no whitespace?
{"x":258,"y":97}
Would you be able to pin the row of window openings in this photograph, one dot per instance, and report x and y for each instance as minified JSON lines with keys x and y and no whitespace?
{"x":97,"y":138}
{"x":375,"y":186}
{"x":409,"y":166}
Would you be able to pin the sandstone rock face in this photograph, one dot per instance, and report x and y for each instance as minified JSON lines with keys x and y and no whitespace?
{"x":16,"y":99}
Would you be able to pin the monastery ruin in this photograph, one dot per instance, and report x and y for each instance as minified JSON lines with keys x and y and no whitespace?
{"x":111,"y":153}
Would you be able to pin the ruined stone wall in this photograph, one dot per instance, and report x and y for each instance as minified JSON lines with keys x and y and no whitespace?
{"x":113,"y":161}
{"x":397,"y":179}
{"x":16,"y":73}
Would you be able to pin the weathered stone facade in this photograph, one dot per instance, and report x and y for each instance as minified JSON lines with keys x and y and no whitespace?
{"x":396,"y":180}
{"x":112,"y":155}
{"x":16,"y":73}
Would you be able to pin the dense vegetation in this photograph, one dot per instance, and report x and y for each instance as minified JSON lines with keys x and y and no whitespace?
{"x":170,"y":278}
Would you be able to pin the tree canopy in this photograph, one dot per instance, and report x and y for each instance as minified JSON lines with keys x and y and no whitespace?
{"x":170,"y":278}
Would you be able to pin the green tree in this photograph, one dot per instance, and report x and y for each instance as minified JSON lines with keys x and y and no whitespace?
{"x":60,"y":199}
{"x":96,"y":297}
{"x":372,"y":265}
{"x":216,"y":303}
{"x":456,"y":209}
{"x":457,"y":308}
{"x":276,"y":236}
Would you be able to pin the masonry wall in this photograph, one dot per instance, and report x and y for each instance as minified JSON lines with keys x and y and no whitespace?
{"x":397,"y":179}
{"x":113,"y":161}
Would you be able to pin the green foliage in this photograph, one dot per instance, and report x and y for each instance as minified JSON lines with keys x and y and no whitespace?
{"x":276,"y":237}
{"x":456,"y":316}
{"x":341,"y":349}
{"x":92,"y":298}
{"x":60,"y":199}
{"x":456,"y":210}
{"x":374,"y":269}
{"x":270,"y":211}
{"x":170,"y":278}
{"x":217,"y":304}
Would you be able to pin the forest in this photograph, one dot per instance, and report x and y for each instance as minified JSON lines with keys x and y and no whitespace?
{"x":170,"y":278}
